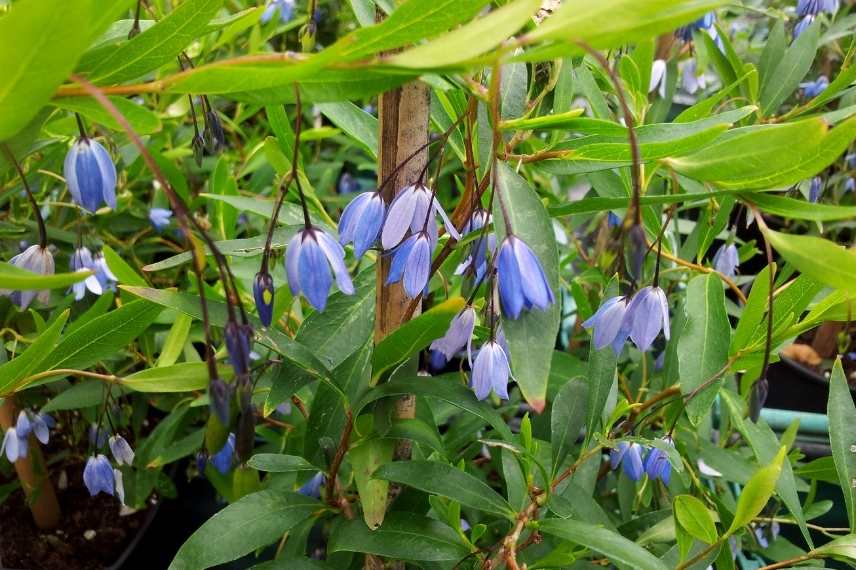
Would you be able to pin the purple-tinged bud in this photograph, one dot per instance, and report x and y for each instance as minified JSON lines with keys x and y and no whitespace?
{"x":121,"y":450}
{"x":263,"y":293}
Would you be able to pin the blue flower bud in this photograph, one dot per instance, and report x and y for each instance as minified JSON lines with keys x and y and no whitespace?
{"x":309,"y":258}
{"x":98,"y":475}
{"x":361,"y":222}
{"x":458,"y":335}
{"x":629,"y":457}
{"x":223,"y":459}
{"x":657,"y":464}
{"x":727,"y":260}
{"x":121,"y":450}
{"x":263,"y":293}
{"x":609,"y":324}
{"x":90,"y":174}
{"x":38,"y":260}
{"x":312,"y":488}
{"x":646,"y":314}
{"x":491,"y":371}
{"x":160,"y":218}
{"x":522,"y":283}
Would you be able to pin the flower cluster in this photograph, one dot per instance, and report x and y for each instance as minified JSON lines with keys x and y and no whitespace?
{"x":640,"y":318}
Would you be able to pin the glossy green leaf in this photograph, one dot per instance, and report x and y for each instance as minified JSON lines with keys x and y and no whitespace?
{"x":280,"y":463}
{"x":142,"y":120}
{"x":532,"y":336}
{"x":567,"y":417}
{"x":607,"y":542}
{"x":447,"y":481}
{"x":18,"y":368}
{"x":842,"y":437}
{"x":403,"y":536}
{"x":102,"y":337}
{"x":818,"y":258}
{"x":156,"y":46}
{"x":756,"y":493}
{"x":790,"y":70}
{"x":414,"y":335}
{"x":695,"y":518}
{"x":471,"y":40}
{"x":254,"y":521}
{"x":17,"y":279}
{"x":40,"y":42}
{"x":704,"y":343}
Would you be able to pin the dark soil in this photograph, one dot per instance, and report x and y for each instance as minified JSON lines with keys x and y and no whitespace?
{"x":24,"y":547}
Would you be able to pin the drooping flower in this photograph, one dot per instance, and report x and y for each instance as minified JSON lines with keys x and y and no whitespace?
{"x":10,"y":445}
{"x":812,"y":89}
{"x":803,"y":25}
{"x":685,"y":33}
{"x":726,"y":259}
{"x":458,"y":335}
{"x":310,"y":256}
{"x":410,"y":210}
{"x":90,"y":174}
{"x":629,"y":457}
{"x":491,"y":371}
{"x":608,"y":324}
{"x":81,"y":260}
{"x":160,"y":218}
{"x":522,"y":283}
{"x":815,"y":189}
{"x":98,"y":475}
{"x":411,"y":264}
{"x":647,"y":313}
{"x":38,"y":260}
{"x":361,"y":222}
{"x":657,"y":464}
{"x":121,"y":450}
{"x":312,"y":488}
{"x":263,"y":294}
{"x":658,"y":78}
{"x":284,"y":7}
{"x":223,"y":459}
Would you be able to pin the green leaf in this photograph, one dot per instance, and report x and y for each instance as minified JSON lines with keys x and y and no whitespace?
{"x":23,"y":364}
{"x":414,"y":335}
{"x":567,"y":417}
{"x":403,"y":536}
{"x":790,"y":70}
{"x":102,"y":337}
{"x":254,"y":521}
{"x":765,"y":156}
{"x":358,"y":124}
{"x":704,"y":343}
{"x":17,"y":279}
{"x":695,"y":518}
{"x":40,"y":42}
{"x":279,"y":463}
{"x":446,"y":388}
{"x":447,"y":481}
{"x":817,"y":258}
{"x":156,"y":46}
{"x":757,"y":492}
{"x":471,"y":40}
{"x":607,"y":542}
{"x":366,"y":457}
{"x":183,"y":377}
{"x":842,"y":436}
{"x":140,"y":118}
{"x":532,"y":336}
{"x":753,"y":311}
